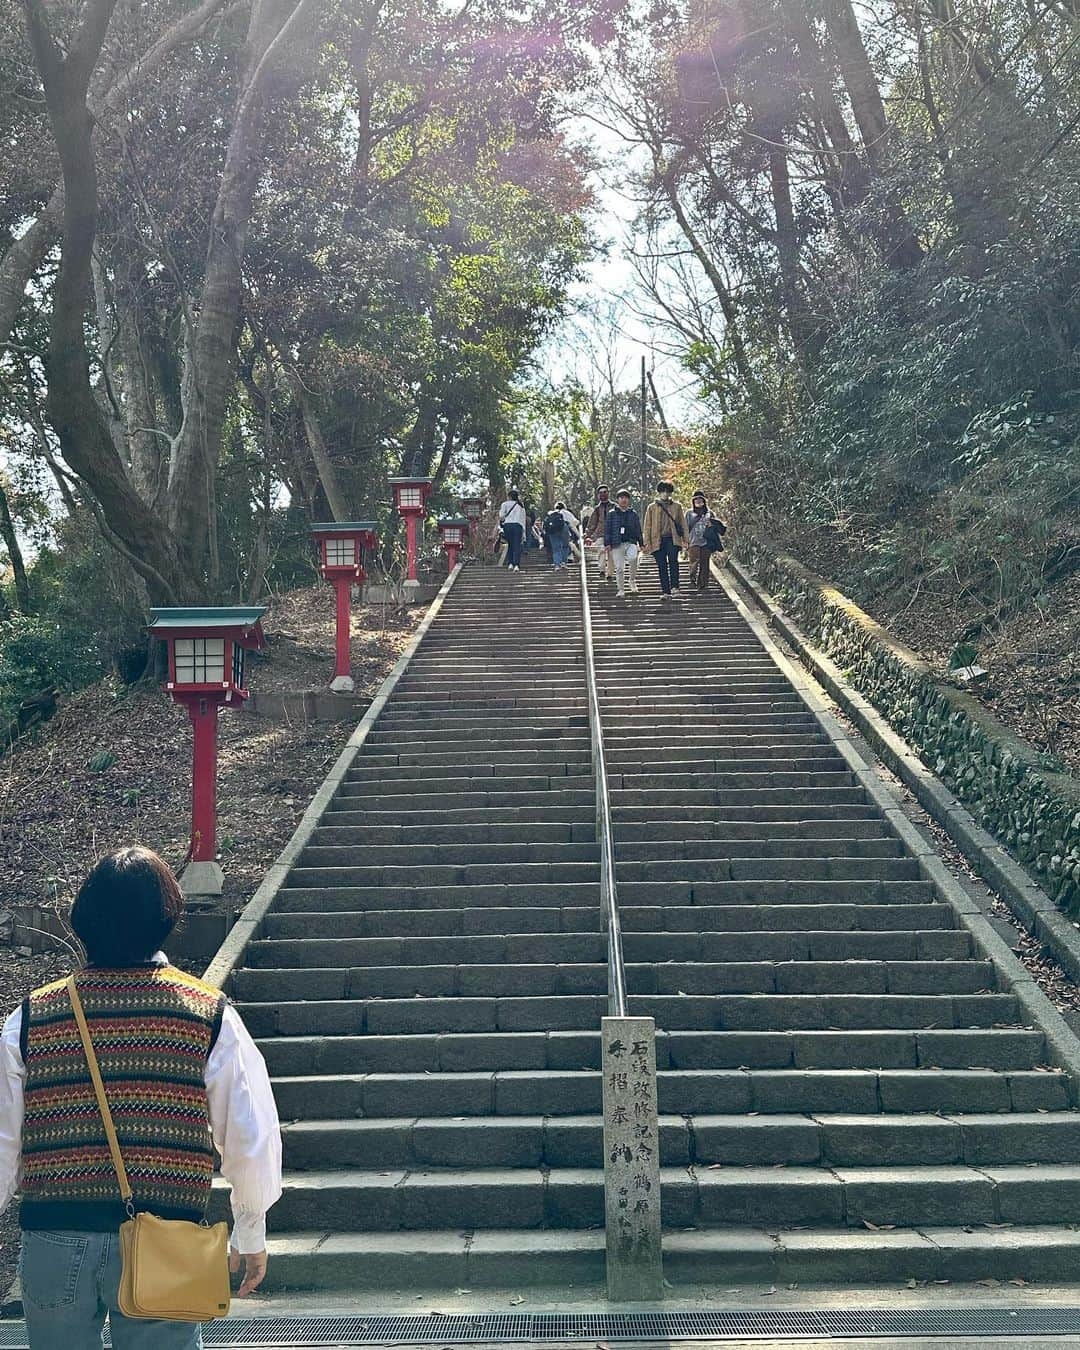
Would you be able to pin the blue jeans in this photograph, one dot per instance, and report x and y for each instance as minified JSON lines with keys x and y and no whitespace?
{"x":515,"y":537}
{"x":560,"y":548}
{"x":69,"y":1284}
{"x":667,"y":563}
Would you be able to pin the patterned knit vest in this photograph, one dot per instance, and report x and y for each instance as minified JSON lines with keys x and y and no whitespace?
{"x":153,"y":1028}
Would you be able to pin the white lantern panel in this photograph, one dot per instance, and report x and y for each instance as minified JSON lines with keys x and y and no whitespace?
{"x":452,"y":536}
{"x":341,"y":552}
{"x":411,"y":496}
{"x":200,"y":660}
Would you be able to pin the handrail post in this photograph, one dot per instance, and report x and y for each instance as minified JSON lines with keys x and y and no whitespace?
{"x":628,"y":1062}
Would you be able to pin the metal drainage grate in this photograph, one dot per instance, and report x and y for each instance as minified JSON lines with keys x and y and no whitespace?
{"x":741,"y":1324}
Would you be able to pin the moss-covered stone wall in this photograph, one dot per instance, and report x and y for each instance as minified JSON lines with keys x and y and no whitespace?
{"x":1003,"y":781}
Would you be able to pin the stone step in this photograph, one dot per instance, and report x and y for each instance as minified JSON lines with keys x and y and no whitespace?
{"x":523,"y":778}
{"x":806,"y":756}
{"x":668,"y":814}
{"x":417,"y":836}
{"x":826,"y":1140}
{"x":300,"y":979}
{"x":373,"y":900}
{"x":491,"y":918}
{"x":441,"y":856}
{"x":553,"y":732}
{"x":783,"y":864}
{"x":652,"y":832}
{"x":559,"y":1258}
{"x":577,"y":1012}
{"x":465,"y":782}
{"x":570,"y":1092}
{"x":531,"y":696}
{"x":481,"y":873}
{"x":438,"y":761}
{"x":462,"y":819}
{"x":1016,"y":1048}
{"x":719,"y":776}
{"x":743,"y":798}
{"x":699,"y":849}
{"x":524,"y":1198}
{"x":376,"y":800}
{"x":288,"y":943}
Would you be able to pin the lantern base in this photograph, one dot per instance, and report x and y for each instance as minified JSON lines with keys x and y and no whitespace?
{"x":342,"y":684}
{"x":411,"y":585}
{"x":202,"y":878}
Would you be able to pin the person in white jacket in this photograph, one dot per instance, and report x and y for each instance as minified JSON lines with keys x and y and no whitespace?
{"x":184,"y":1080}
{"x":513,"y":521}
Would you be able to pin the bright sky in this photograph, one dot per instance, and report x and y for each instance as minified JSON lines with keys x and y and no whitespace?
{"x":610,"y":281}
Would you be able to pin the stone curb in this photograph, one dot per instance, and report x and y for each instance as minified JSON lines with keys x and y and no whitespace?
{"x":1062,"y":1044}
{"x":246,"y":929}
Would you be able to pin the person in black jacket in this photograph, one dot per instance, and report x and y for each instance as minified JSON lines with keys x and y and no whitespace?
{"x":622,"y":535}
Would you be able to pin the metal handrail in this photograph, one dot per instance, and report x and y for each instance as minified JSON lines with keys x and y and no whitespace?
{"x":609,"y":896}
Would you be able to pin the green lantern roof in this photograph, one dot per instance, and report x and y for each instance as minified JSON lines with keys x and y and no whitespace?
{"x":453,"y":520}
{"x":332,"y":526}
{"x":209,"y":616}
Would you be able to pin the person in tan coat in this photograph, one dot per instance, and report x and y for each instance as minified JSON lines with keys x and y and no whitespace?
{"x":665,"y":533}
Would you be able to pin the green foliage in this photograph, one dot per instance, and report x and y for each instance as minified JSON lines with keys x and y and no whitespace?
{"x":37,"y":653}
{"x":100,"y":761}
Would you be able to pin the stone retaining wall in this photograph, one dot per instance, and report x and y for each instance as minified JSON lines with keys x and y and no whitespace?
{"x":1002,"y":780}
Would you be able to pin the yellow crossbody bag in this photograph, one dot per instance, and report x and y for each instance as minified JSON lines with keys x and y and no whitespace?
{"x":173,"y":1270}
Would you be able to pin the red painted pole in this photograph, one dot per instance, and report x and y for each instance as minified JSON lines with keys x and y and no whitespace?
{"x":343,"y":586}
{"x":410,"y":545}
{"x":451,"y":553}
{"x":204,"y":720}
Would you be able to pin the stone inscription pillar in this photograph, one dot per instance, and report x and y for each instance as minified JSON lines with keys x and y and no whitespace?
{"x":631,"y":1160}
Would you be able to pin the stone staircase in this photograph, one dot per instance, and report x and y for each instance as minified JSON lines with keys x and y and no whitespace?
{"x":429,"y":991}
{"x":844,"y":1093}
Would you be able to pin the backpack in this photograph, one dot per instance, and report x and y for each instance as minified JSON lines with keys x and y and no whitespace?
{"x":555,"y":522}
{"x":713,"y":531}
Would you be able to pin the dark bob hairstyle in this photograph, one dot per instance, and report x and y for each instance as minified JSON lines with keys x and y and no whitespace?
{"x":126,"y":908}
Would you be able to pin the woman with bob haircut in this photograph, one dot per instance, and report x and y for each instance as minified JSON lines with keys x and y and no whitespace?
{"x":182,"y":1077}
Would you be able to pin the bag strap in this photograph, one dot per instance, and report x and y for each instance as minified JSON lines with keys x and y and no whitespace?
{"x":670,"y":517}
{"x":102,"y":1100}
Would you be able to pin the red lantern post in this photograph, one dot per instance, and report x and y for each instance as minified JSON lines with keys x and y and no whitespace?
{"x":474,"y":509}
{"x":206,"y":674}
{"x":341,"y":548}
{"x":452,"y":534}
{"x":410,"y":498}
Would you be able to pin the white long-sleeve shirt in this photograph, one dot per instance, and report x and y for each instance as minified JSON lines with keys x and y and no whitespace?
{"x":512,"y":513}
{"x":243,"y":1122}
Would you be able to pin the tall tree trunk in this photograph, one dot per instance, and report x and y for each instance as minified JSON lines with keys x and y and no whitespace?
{"x":25,"y":256}
{"x":211,"y":369}
{"x":787,"y":249}
{"x":145,"y":442}
{"x":14,"y":552}
{"x":868,"y":107}
{"x":848,"y":170}
{"x":82,"y":430}
{"x":335,"y":496}
{"x":447,"y":456}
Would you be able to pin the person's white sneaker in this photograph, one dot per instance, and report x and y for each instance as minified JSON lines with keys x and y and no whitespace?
{"x":634,"y":589}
